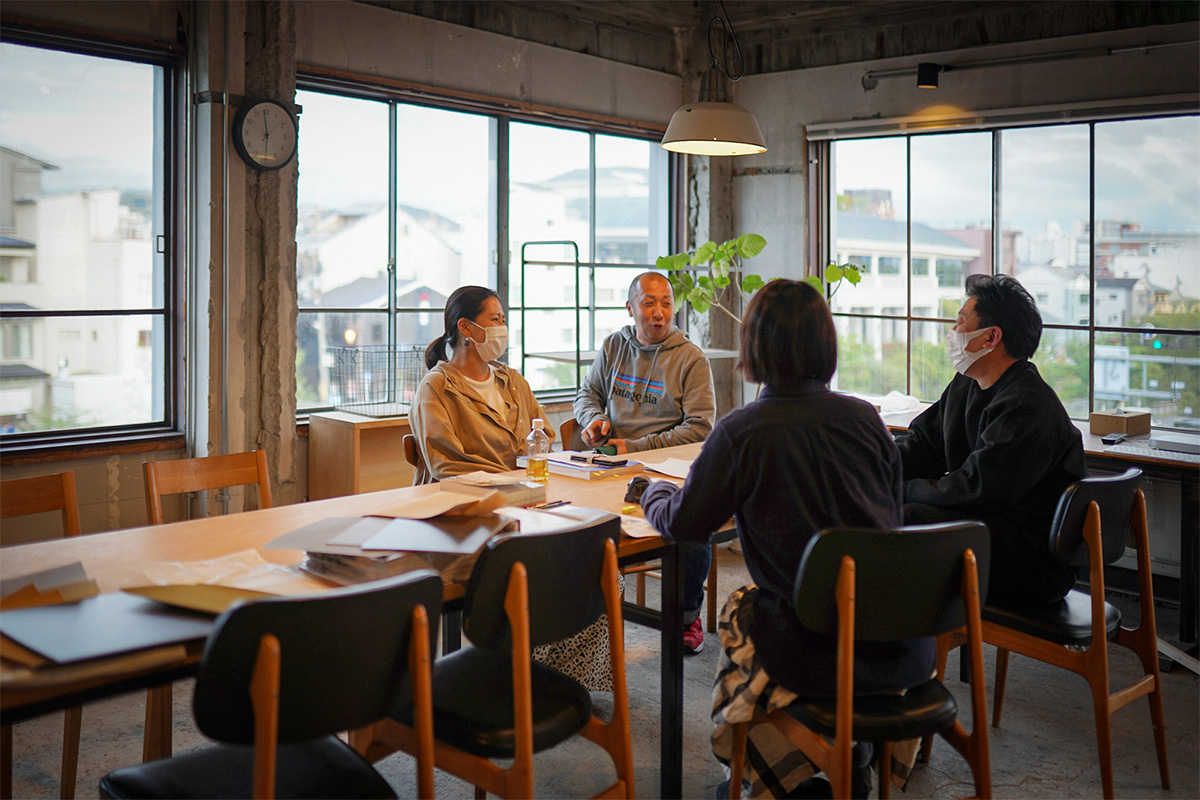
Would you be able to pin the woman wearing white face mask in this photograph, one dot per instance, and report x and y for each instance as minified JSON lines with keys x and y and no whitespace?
{"x":471,"y":412}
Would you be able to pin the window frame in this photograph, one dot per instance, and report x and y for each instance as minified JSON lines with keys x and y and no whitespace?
{"x":168,"y":245}
{"x":503,"y":114}
{"x":821,"y":146}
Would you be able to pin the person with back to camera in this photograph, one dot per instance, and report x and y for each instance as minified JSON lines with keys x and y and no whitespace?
{"x":472,"y":413}
{"x":650,"y":387}
{"x":998,"y":445}
{"x":795,"y":461}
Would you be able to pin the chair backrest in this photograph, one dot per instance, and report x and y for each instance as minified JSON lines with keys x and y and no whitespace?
{"x":56,"y":492}
{"x":568,"y":434}
{"x":908,"y":581}
{"x":565,"y":592}
{"x":1115,"y":495}
{"x":412,"y":454}
{"x":200,"y":474}
{"x":343,"y":658}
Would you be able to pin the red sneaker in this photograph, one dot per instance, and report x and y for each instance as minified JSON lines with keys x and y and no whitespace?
{"x":693,"y":637}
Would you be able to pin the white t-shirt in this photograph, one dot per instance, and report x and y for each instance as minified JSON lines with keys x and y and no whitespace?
{"x":489,"y":389}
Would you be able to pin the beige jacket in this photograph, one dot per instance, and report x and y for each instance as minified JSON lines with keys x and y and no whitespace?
{"x":457,"y":432}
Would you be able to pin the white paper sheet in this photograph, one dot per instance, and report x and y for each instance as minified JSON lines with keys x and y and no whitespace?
{"x":675,"y":467}
{"x":636,"y":527}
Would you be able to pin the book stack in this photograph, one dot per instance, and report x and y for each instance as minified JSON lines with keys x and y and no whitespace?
{"x":563,"y":464}
{"x":513,"y":492}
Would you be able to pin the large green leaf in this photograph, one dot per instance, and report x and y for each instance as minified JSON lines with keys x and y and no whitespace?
{"x":815,"y":282}
{"x":752,"y":283}
{"x":703,"y":253}
{"x":721,"y":281}
{"x":699,"y":300}
{"x":750,"y":244}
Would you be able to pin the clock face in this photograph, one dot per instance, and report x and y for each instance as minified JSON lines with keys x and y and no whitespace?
{"x":264,"y":134}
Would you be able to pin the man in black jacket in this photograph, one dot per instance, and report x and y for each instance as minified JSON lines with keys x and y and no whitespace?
{"x":998,"y":445}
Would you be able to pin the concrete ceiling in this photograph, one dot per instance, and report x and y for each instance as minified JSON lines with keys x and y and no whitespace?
{"x":778,"y":35}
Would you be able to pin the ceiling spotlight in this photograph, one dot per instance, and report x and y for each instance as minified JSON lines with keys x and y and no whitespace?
{"x":927,"y":75}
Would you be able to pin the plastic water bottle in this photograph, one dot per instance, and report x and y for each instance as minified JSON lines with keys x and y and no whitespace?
{"x":537,"y":450}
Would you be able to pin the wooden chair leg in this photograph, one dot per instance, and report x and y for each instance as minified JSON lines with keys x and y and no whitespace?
{"x":885,"y":770}
{"x":6,"y":759}
{"x":641,"y":589}
{"x":712,"y":590}
{"x":1103,"y":733}
{"x":72,"y":719}
{"x":998,"y":692}
{"x":156,"y":743}
{"x":737,"y":760}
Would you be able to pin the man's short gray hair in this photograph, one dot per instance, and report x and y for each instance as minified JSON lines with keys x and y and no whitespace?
{"x":635,"y":286}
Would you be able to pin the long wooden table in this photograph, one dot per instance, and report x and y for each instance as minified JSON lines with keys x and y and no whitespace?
{"x":116,"y":559}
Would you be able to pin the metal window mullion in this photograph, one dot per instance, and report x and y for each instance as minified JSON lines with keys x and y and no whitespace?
{"x":1091,"y":326}
{"x":392,"y":248}
{"x":908,"y":269}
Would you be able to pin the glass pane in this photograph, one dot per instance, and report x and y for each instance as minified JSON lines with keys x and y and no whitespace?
{"x":549,"y":200}
{"x":79,"y":217}
{"x":1147,"y":225}
{"x":952,"y":213}
{"x":931,"y":369}
{"x":872,"y":355}
{"x":341,"y":234}
{"x":1155,"y":371}
{"x":557,"y":372}
{"x":1062,"y":360}
{"x":870,"y":225}
{"x":107,"y":370}
{"x":445,"y":181}
{"x":1044,"y":208}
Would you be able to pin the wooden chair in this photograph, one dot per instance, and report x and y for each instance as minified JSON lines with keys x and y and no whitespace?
{"x":569,"y":435}
{"x":412,"y":453}
{"x":201,"y":474}
{"x":285,"y":675}
{"x":176,"y":477}
{"x":19,"y":497}
{"x":1090,"y":530}
{"x":491,"y":699}
{"x":907,"y":583}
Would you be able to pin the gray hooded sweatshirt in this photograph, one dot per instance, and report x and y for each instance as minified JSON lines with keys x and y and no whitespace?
{"x":653,"y":395}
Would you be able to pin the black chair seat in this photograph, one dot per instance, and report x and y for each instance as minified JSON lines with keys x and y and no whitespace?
{"x":921,"y":711}
{"x":323,"y":767}
{"x":1069,"y":621}
{"x":473,"y":703}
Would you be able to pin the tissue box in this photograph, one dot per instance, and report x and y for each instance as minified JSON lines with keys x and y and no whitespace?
{"x":1126,"y":421}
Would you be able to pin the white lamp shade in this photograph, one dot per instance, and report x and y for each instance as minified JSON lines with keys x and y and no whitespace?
{"x":714,"y":129}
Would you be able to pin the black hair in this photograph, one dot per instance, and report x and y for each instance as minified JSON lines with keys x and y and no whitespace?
{"x":788,"y":336}
{"x":466,"y":302}
{"x":1003,"y":302}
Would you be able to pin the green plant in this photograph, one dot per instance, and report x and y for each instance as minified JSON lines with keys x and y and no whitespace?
{"x":724,"y":269}
{"x":705,"y":291}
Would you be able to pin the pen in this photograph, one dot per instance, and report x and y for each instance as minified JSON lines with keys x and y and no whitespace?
{"x":553,"y":504}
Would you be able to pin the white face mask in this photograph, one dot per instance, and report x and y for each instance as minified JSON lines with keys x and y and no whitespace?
{"x":496,"y":343}
{"x":956,"y":349}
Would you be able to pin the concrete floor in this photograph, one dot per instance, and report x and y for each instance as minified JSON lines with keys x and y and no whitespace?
{"x":1045,"y":749}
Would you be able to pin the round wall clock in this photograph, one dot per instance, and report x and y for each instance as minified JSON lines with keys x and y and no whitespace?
{"x":264,"y":134}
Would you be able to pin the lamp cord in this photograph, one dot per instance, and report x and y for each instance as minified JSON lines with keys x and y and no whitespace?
{"x":726,"y":27}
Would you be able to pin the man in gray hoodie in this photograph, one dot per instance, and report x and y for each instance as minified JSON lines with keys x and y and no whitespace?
{"x":651,"y":387}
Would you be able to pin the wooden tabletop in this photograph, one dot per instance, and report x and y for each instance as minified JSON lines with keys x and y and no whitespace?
{"x":117,"y":559}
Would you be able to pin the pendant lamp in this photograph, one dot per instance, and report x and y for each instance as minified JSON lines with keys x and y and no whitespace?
{"x":714,"y":126}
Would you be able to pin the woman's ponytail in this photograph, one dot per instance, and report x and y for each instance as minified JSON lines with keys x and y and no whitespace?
{"x":435,"y":352}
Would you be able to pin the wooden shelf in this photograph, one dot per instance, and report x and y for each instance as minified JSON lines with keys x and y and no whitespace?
{"x":351,"y":454}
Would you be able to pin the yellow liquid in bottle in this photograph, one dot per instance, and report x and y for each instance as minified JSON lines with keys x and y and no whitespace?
{"x":538,"y":469}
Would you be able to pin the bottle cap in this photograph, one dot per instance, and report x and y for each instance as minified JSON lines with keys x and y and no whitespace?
{"x":537,"y":425}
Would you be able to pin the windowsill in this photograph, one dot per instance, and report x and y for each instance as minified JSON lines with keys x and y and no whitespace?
{"x":93,"y":447}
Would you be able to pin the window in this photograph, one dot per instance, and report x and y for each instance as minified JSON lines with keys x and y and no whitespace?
{"x":889,"y":265}
{"x":86,"y":298}
{"x":1116,"y":288}
{"x":587,"y":196}
{"x":379,"y":252}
